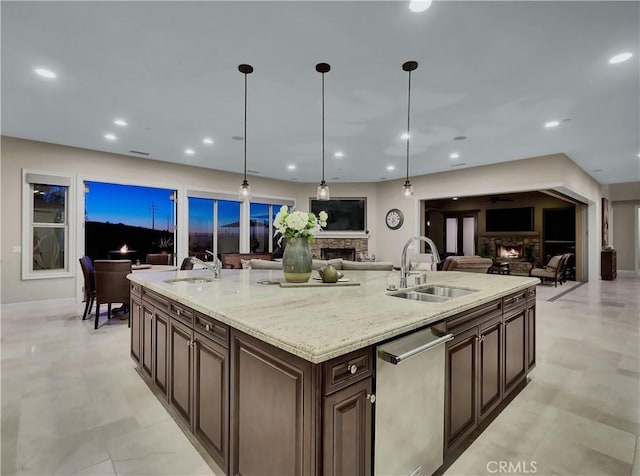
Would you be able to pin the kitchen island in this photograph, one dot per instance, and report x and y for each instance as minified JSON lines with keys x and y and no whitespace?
{"x":280,"y":381}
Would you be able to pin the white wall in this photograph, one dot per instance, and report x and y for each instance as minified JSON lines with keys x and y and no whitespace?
{"x":549,"y":172}
{"x":625,"y":226}
{"x":539,"y":173}
{"x":93,"y":165}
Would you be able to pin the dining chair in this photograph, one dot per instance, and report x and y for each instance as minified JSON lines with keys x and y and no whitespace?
{"x":89,"y":284}
{"x":159,"y":258}
{"x":112,"y":284}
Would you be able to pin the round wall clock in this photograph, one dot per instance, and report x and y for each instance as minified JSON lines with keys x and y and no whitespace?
{"x":394,"y":219}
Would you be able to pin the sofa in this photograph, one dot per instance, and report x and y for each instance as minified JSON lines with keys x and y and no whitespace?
{"x":316,"y":264}
{"x":469,"y":264}
{"x":235,"y":260}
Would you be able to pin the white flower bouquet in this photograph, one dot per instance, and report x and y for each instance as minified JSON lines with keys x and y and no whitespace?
{"x":295,"y":224}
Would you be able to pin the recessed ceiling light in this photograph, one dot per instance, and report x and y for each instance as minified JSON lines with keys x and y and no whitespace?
{"x":418,"y":6}
{"x":460,"y":138}
{"x":207,"y":140}
{"x":291,"y":167}
{"x":405,"y":136}
{"x":551,"y":124}
{"x":391,"y":167}
{"x":189,"y":151}
{"x":454,"y":155}
{"x":597,"y":170}
{"x":455,"y":198}
{"x":338,"y":154}
{"x":638,"y":155}
{"x":46,"y":73}
{"x":110,"y":137}
{"x":237,"y":138}
{"x":621,"y":58}
{"x":120,"y":122}
{"x":335,"y":178}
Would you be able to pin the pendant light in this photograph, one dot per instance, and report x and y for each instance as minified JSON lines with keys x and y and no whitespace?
{"x":245,"y":189}
{"x":323,"y":188}
{"x":407,"y":190}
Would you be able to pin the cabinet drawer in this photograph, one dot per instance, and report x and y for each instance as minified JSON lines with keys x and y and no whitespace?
{"x":155,"y":300}
{"x":342,"y":371}
{"x":180,"y":312}
{"x":136,"y":289}
{"x":466,"y":320}
{"x":531,"y":295}
{"x":515,"y":301}
{"x":211,"y":328}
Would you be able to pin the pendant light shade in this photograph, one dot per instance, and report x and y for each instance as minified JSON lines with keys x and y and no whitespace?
{"x":245,"y":189}
{"x":407,"y":189}
{"x":323,"y":189}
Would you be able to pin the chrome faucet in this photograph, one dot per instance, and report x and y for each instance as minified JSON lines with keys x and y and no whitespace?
{"x":214,"y":266}
{"x":403,"y":265}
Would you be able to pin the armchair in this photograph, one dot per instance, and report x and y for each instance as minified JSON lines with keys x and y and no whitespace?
{"x":553,"y":270}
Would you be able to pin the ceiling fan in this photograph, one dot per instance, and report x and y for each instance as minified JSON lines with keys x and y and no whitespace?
{"x":497,"y":198}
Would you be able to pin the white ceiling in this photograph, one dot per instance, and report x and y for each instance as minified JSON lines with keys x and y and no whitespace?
{"x":492,"y":71}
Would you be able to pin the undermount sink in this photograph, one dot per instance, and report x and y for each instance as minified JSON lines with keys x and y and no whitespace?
{"x":443,"y":291}
{"x":432,"y":293}
{"x":189,"y":280}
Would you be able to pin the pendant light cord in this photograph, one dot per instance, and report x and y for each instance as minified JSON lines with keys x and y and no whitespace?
{"x":408,"y":123}
{"x":245,"y":127}
{"x":323,"y":128}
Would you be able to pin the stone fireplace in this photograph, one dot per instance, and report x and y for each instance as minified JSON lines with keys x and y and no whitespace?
{"x":520,"y":250}
{"x":345,"y":248}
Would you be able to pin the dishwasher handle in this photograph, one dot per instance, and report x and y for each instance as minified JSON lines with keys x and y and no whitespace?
{"x":396,"y":359}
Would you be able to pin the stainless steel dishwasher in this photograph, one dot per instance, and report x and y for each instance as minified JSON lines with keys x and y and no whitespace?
{"x":409,"y":410}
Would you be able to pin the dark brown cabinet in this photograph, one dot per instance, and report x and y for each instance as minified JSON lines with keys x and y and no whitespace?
{"x":488,"y":359}
{"x":180,"y":366}
{"x":515,"y":358}
{"x":608,"y":265}
{"x":461,"y":387}
{"x":271,"y":410}
{"x":146,"y":326}
{"x":135,"y":316}
{"x":490,"y":375}
{"x":531,"y":336}
{"x":347,"y":417}
{"x":160,"y":334}
{"x":211,"y":397}
{"x":257,"y":409}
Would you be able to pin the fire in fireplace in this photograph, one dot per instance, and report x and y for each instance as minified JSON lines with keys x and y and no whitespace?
{"x":333,"y":253}
{"x":510,"y":251}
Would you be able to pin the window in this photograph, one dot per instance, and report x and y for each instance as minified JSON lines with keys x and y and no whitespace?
{"x":261,"y":216}
{"x":219,"y":223}
{"x":214,"y":224}
{"x":45,"y":237}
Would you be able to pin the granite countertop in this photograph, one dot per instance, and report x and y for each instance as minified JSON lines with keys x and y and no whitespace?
{"x":320,"y":323}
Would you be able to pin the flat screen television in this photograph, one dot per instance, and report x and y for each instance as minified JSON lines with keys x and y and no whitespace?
{"x":345,"y":214}
{"x":510,"y":219}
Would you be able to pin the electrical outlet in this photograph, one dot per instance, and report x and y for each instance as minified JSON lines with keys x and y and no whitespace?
{"x":16,"y":249}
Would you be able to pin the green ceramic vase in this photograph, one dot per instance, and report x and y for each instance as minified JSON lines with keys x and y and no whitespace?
{"x":296,"y":260}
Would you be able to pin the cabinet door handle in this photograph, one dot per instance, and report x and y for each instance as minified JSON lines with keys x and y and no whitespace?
{"x":189,"y":343}
{"x":371,"y":397}
{"x":207,"y":327}
{"x":353,"y":368}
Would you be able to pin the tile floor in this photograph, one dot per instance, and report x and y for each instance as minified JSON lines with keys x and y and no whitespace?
{"x":72,"y":402}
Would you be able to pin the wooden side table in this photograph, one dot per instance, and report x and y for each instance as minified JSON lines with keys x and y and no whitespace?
{"x":608,"y":265}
